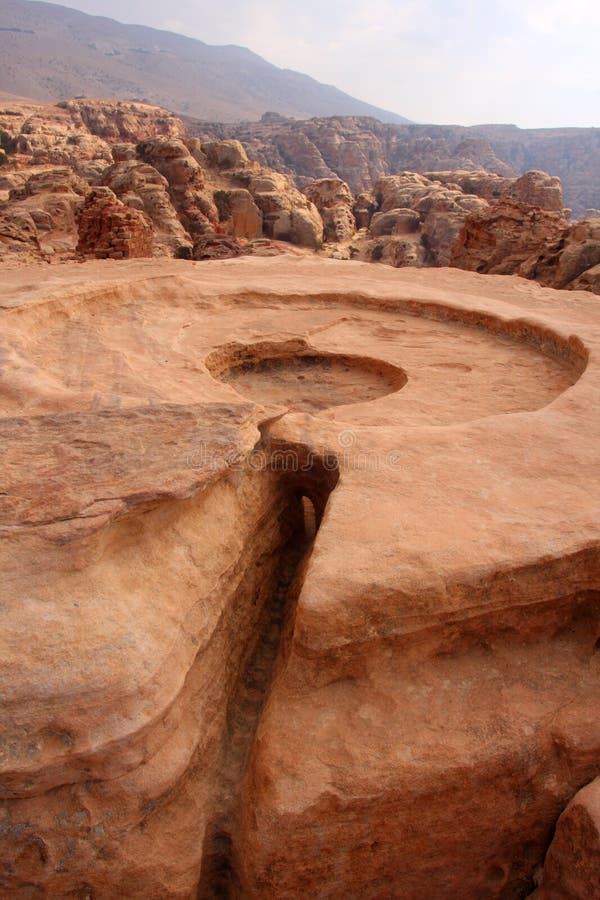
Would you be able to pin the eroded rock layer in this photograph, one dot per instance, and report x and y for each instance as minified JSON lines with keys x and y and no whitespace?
{"x":266,"y":639}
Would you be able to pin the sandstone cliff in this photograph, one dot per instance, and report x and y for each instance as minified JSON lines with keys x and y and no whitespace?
{"x":360,"y":150}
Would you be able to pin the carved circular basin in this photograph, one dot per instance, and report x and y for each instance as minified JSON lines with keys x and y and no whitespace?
{"x":301,"y":378}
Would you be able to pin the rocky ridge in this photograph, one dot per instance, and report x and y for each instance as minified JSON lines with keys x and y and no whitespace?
{"x":183,"y":189}
{"x":204,"y":199}
{"x":360,"y":150}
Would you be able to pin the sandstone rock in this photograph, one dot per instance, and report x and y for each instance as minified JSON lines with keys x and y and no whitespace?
{"x":287,"y":214}
{"x":477,"y":153}
{"x":500,"y":239}
{"x":123,"y":152}
{"x":395,"y":221}
{"x":141,"y":186}
{"x":483,"y":184}
{"x":433,"y":706}
{"x":238,"y":213}
{"x":572,"y":866}
{"x":328,"y":193}
{"x":53,"y":198}
{"x":588,"y":281}
{"x":538,"y":189}
{"x":364,"y":208}
{"x":187,"y":181}
{"x":401,"y":191}
{"x":338,"y":223}
{"x":173,"y":160}
{"x":562,"y":262}
{"x":217,"y":246}
{"x":317,"y":148}
{"x":110,"y":230}
{"x":18,"y":235}
{"x":394,"y":250}
{"x":225,"y":154}
{"x":334,"y":202}
{"x":50,"y":181}
{"x":124,"y":120}
{"x":305,"y":227}
{"x":443,"y":213}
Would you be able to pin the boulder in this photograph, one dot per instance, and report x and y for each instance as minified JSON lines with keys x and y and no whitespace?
{"x":328,"y":193}
{"x":217,"y":246}
{"x":401,"y":191}
{"x":588,"y":281}
{"x":538,"y":189}
{"x":19,"y":240}
{"x":393,"y":250}
{"x":572,"y":866}
{"x":443,"y":213}
{"x":187,"y":182}
{"x":483,"y":184}
{"x":287,"y":214}
{"x":339,"y":223}
{"x":53,"y":198}
{"x":225,"y":154}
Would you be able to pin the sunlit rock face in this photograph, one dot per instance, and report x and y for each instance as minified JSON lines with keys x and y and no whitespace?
{"x":300,"y":578}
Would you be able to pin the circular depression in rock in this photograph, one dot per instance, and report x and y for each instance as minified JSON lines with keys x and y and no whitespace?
{"x":302,"y":378}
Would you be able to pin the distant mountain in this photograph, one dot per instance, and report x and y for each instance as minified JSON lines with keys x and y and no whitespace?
{"x":49,"y":52}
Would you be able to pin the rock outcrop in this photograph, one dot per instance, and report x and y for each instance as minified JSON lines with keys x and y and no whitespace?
{"x":287,"y":214}
{"x":428,"y":215}
{"x":572,"y":866}
{"x":238,"y":213}
{"x":500,"y":239}
{"x":187,"y":189}
{"x":335,"y":202}
{"x":570,"y":262}
{"x":362,"y":150}
{"x":195,"y":191}
{"x":19,"y":237}
{"x":140,"y":186}
{"x":300,"y":580}
{"x":110,"y":230}
{"x":51,"y":198}
{"x":533,"y":188}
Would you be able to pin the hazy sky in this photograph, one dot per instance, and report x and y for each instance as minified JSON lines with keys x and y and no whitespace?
{"x":531,"y":62}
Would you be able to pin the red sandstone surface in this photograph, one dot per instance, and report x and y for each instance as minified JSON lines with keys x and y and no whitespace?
{"x":202,"y":697}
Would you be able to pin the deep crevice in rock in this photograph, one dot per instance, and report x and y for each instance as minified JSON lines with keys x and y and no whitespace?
{"x":309,"y":480}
